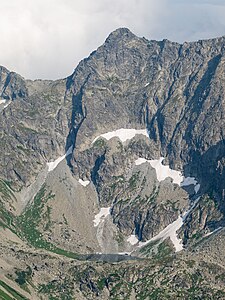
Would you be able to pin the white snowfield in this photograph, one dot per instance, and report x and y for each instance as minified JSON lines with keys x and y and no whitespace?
{"x":6,"y":102}
{"x":124,"y":253}
{"x":169,"y":232}
{"x":2,"y":101}
{"x":122,"y":134}
{"x":212,"y":232}
{"x":188,"y":181}
{"x":52,"y":165}
{"x":191,"y":180}
{"x":84,"y":182}
{"x":162,"y":172}
{"x":197,"y":188}
{"x":132,"y":239}
{"x":100,"y":217}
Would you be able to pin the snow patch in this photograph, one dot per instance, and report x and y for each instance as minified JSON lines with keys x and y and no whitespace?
{"x":84,"y":182}
{"x":214,"y":231}
{"x":188,"y":181}
{"x":191,"y":180}
{"x":122,"y":134}
{"x":132,"y":239}
{"x":169,"y":232}
{"x":197,"y":187}
{"x":162,"y":172}
{"x":100,"y":217}
{"x":141,"y":161}
{"x":52,"y":165}
{"x":124,"y":253}
{"x":186,"y":213}
{"x":2,"y":101}
{"x":6,"y":102}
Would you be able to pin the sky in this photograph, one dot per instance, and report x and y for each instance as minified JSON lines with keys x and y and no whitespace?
{"x":47,"y":38}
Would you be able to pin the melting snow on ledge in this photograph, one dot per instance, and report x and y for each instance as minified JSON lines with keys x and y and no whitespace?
{"x":124,"y":253}
{"x":191,"y":180}
{"x":132,"y":239}
{"x":122,"y":134}
{"x":197,"y":188}
{"x":6,"y":102}
{"x":212,"y":232}
{"x":100,"y":217}
{"x":52,"y":165}
{"x":169,"y":232}
{"x":162,"y":172}
{"x":84,"y":182}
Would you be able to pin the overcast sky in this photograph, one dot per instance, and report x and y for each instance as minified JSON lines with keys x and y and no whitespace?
{"x":47,"y":38}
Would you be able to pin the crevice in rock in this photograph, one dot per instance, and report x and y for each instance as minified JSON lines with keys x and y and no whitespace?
{"x":79,"y":113}
{"x":95,"y":170}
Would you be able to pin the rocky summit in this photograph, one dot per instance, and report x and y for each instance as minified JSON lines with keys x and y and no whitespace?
{"x":112,"y":179}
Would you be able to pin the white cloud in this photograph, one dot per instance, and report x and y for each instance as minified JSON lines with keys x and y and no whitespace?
{"x":47,"y":38}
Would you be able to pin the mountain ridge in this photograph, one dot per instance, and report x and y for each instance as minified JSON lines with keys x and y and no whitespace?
{"x":123,"y":157}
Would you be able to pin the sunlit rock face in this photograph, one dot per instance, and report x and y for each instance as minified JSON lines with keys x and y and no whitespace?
{"x":125,"y":157}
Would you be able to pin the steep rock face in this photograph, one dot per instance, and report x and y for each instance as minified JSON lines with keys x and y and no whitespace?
{"x":33,"y":128}
{"x":12,"y":85}
{"x":171,"y":88}
{"x":108,"y":87}
{"x":176,"y":91}
{"x":139,"y":204}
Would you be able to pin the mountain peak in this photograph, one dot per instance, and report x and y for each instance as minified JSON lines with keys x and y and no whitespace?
{"x":4,"y":70}
{"x":120,"y":33}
